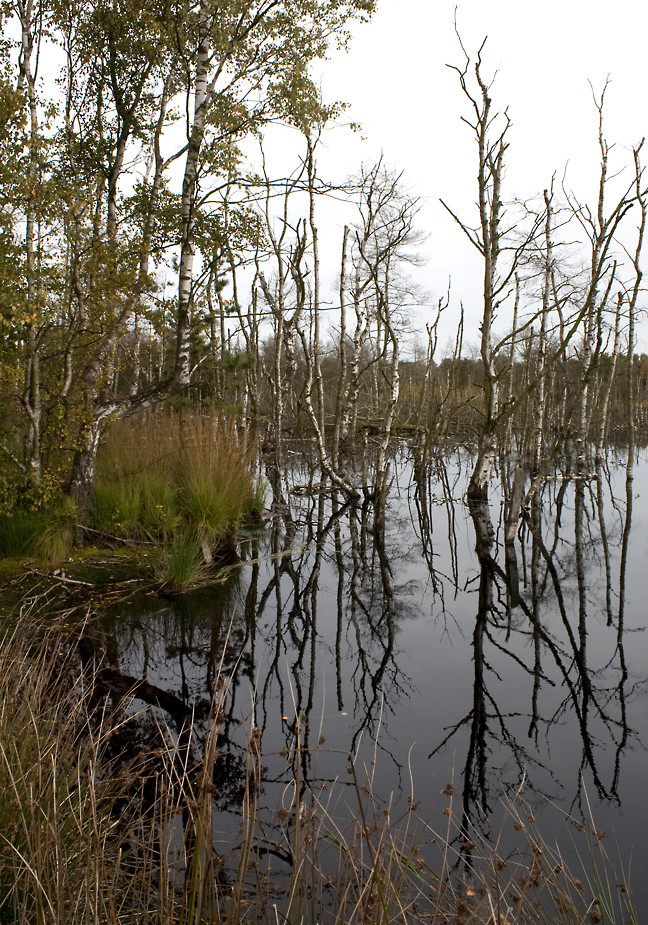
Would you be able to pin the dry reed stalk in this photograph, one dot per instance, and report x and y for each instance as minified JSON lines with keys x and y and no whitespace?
{"x":67,"y":857}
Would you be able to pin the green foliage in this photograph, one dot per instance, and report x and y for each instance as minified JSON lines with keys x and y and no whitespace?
{"x":231,"y":232}
{"x":18,"y":493}
{"x":231,"y":361}
{"x":168,"y":221}
{"x":90,"y":224}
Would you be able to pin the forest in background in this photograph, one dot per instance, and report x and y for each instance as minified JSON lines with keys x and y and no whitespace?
{"x":144,"y":262}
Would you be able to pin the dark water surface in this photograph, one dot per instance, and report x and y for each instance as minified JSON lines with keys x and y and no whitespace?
{"x":413,"y":648}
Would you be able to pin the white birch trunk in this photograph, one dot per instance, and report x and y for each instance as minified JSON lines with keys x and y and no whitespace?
{"x":342,"y":355}
{"x":202,"y":94}
{"x":31,"y":397}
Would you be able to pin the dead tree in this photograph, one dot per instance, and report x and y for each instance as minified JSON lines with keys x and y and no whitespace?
{"x":578,"y":304}
{"x":377,"y":249}
{"x":490,"y":131}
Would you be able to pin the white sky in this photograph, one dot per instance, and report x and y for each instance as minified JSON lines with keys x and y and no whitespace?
{"x":409,"y":104}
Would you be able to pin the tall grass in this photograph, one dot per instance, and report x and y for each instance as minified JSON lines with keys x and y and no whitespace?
{"x":59,"y":843}
{"x":172,"y":475}
{"x":162,"y":478}
{"x":47,"y":532}
{"x":18,"y":533}
{"x":88,"y":838}
{"x":214,"y":475}
{"x":58,"y":531}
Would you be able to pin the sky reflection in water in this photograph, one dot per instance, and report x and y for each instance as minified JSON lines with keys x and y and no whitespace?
{"x":399,"y":646}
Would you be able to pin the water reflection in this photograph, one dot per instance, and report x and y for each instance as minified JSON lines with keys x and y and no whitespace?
{"x":339,"y":566}
{"x":543,"y":629}
{"x":496,"y":638}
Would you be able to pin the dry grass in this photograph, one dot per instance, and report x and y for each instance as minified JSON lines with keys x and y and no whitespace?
{"x":182,"y":480}
{"x":89,"y":837}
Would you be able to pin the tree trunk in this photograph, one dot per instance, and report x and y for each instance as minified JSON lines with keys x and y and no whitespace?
{"x":82,"y":480}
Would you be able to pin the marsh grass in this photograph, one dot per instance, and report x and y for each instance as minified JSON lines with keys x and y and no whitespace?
{"x":175,"y":475}
{"x":530,"y":879}
{"x":181,"y":563}
{"x":58,"y":838}
{"x":18,"y":532}
{"x":174,"y":479}
{"x":161,"y":515}
{"x":58,"y":532}
{"x":214,"y":473}
{"x":47,"y":532}
{"x":91,"y":835}
{"x":117,"y":508}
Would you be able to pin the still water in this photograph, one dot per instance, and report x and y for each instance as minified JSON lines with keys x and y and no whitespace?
{"x":419,"y":646}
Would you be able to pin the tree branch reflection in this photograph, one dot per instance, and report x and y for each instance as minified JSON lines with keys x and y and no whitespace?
{"x":510,"y":618}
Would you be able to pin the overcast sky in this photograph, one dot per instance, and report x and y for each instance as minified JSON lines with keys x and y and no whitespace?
{"x":546,"y":55}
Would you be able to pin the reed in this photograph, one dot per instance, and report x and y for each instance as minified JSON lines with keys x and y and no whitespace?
{"x":59,"y":844}
{"x":88,"y":835}
{"x":47,"y":532}
{"x":165,"y":477}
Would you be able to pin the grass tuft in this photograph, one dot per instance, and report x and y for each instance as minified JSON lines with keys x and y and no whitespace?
{"x":175,"y":478}
{"x":59,"y":530}
{"x":181,"y":564}
{"x":18,"y":533}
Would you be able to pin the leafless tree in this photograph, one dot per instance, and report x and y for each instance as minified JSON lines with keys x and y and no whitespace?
{"x":491,"y":238}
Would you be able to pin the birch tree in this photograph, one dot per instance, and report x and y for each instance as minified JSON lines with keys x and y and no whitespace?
{"x":577,"y":307}
{"x":376,"y":252}
{"x":490,"y":130}
{"x":154,"y":105}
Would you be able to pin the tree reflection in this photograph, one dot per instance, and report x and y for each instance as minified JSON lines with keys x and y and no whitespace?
{"x":539,"y":621}
{"x":347,"y":540}
{"x":488,"y":724}
{"x":307,"y":631}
